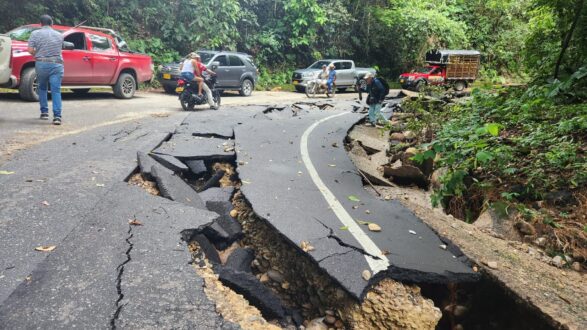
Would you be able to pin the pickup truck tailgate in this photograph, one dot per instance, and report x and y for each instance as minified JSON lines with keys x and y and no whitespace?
{"x":5,"y":51}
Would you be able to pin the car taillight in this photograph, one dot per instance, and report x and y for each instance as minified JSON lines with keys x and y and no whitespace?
{"x":180,"y":82}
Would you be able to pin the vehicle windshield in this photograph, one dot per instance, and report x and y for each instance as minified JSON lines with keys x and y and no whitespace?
{"x":206,"y":57}
{"x":23,"y":33}
{"x":319,"y":64}
{"x":425,"y":69}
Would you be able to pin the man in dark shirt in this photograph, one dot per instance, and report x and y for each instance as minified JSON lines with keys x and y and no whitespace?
{"x":45,"y":45}
{"x":375,"y":98}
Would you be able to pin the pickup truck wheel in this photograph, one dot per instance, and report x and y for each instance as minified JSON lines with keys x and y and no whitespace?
{"x":460,"y":85}
{"x":80,"y":91}
{"x":29,"y":85}
{"x":246,"y":88}
{"x":125,"y":87}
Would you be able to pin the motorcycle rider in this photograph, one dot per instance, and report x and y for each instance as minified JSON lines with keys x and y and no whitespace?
{"x":323,"y":76}
{"x":331,"y":78}
{"x":201,"y":68}
{"x":187,"y":67}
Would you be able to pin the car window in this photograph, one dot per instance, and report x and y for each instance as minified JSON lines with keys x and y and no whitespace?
{"x":250,"y":60}
{"x":347,"y":65}
{"x":78,"y":40}
{"x":222,"y":60}
{"x":319,"y":64}
{"x":100,"y":44}
{"x":206,"y":56}
{"x":337,"y":65}
{"x":235,"y":61}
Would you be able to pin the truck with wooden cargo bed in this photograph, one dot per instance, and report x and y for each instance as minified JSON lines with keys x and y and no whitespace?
{"x":453,"y":68}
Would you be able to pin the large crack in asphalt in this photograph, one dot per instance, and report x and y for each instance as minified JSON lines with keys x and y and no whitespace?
{"x":343,"y":243}
{"x":120,"y":270}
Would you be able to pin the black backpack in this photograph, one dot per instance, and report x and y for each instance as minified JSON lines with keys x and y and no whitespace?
{"x":385,"y":86}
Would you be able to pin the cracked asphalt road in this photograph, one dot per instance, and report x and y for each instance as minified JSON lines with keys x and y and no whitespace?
{"x":69,"y":192}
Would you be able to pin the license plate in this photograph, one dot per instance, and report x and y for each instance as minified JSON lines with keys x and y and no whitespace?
{"x":402,"y":81}
{"x":179,"y":89}
{"x":167,"y":76}
{"x":295,"y":82}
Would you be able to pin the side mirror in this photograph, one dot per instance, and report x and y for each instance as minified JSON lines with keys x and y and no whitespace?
{"x":68,"y":45}
{"x":214,"y":65}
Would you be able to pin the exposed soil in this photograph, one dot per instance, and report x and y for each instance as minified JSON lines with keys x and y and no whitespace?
{"x":150,"y":186}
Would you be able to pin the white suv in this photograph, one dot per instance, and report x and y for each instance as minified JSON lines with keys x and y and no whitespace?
{"x":5,"y":52}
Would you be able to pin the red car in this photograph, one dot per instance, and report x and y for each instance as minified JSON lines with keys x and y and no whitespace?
{"x":93,"y":57}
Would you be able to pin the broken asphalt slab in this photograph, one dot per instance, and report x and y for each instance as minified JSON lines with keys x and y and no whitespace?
{"x":188,"y":147}
{"x":110,"y":273}
{"x":293,"y":159}
{"x":173,"y":187}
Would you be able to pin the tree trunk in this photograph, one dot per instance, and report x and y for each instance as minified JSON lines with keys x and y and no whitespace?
{"x":567,"y":40}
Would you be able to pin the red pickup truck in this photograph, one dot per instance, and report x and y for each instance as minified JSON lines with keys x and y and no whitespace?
{"x":93,"y":57}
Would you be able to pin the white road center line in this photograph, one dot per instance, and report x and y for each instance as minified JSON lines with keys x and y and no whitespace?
{"x":353,"y":227}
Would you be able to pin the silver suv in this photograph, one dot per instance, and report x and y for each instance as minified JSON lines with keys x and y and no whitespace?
{"x":236,"y":71}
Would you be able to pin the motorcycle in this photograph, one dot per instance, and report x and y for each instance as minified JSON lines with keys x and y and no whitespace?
{"x":315,"y":87}
{"x":188,"y":93}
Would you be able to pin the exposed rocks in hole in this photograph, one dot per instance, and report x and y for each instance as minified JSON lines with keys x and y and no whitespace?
{"x":139,"y":180}
{"x":231,"y":305}
{"x":502,"y":225}
{"x":310,"y":289}
{"x":396,"y":306}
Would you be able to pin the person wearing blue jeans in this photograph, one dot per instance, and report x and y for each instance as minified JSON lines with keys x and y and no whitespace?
{"x":50,"y":74}
{"x":45,"y":45}
{"x":331,"y":77}
{"x":375,"y":98}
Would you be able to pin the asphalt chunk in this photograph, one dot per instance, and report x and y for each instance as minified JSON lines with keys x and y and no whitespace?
{"x":171,"y":163}
{"x":259,"y":295}
{"x":173,"y":187}
{"x":188,"y":147}
{"x":197,"y":167}
{"x":216,"y":194}
{"x":240,"y":260}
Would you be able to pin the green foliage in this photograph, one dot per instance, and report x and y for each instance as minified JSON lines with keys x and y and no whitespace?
{"x":532,"y":137}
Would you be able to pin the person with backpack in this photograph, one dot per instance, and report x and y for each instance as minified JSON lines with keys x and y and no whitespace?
{"x":377,"y":92}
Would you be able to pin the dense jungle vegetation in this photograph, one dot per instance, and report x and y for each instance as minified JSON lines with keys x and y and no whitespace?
{"x":509,"y":148}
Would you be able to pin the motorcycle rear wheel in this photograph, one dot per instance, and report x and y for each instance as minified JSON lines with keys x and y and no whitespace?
{"x":310,"y":90}
{"x":184,"y":99}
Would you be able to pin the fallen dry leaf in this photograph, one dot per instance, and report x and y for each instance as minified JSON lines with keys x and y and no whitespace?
{"x":135,"y":222}
{"x":233,"y":213}
{"x":45,"y":203}
{"x":6,"y":172}
{"x":47,"y":248}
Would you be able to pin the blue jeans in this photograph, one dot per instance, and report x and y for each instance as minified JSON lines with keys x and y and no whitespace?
{"x":375,"y":113}
{"x":329,"y":83}
{"x":188,"y":76}
{"x":49,"y":74}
